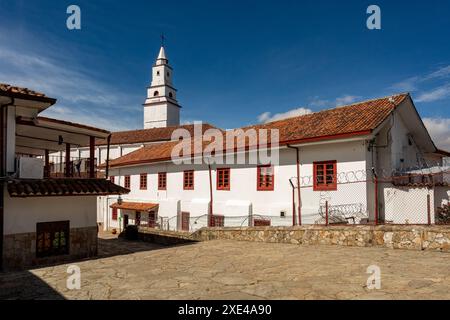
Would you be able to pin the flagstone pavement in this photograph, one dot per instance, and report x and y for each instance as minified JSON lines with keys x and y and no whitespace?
{"x":237,"y":270}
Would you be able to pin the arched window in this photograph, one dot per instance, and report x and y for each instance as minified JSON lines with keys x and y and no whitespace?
{"x":170,"y":94}
{"x":157,"y":73}
{"x":168,"y":74}
{"x":156,"y":93}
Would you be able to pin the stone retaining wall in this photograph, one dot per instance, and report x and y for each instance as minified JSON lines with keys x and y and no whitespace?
{"x":20,"y":249}
{"x":388,"y":236}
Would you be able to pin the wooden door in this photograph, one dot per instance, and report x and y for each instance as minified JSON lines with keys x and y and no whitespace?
{"x":138,"y":218}
{"x":151,"y":219}
{"x":125,"y":221}
{"x":185,"y":216}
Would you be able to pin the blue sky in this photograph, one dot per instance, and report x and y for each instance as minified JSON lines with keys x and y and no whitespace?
{"x":235,"y":62}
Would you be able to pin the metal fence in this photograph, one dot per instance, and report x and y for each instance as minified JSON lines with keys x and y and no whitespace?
{"x":417,"y":196}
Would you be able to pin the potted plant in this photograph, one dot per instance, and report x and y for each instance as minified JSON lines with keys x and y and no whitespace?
{"x":114,"y":231}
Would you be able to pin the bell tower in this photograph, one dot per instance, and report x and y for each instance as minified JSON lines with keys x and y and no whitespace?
{"x":161,"y":108}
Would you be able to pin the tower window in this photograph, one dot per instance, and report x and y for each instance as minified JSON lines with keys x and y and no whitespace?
{"x":170,"y":94}
{"x":157,"y":73}
{"x":156,"y":93}
{"x":168,"y":74}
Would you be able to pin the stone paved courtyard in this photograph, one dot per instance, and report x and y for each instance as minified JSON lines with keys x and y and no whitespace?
{"x":237,"y":270}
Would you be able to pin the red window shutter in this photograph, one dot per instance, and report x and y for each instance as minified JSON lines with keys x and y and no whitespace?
{"x":114,"y":213}
{"x":223,"y":179}
{"x":162,"y":181}
{"x":143,"y":181}
{"x":188,"y":180}
{"x":265,"y":178}
{"x":325,"y":175}
{"x":111,"y":178}
{"x":127,"y":182}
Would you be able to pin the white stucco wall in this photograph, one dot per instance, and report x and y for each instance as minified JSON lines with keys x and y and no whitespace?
{"x":243,"y":198}
{"x":22,"y":214}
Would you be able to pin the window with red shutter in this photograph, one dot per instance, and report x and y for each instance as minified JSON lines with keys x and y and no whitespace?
{"x":114,"y":213}
{"x":325,"y":175}
{"x":223,"y":179}
{"x":162,"y":180}
{"x":143,"y":181}
{"x":111,"y":178}
{"x":265,"y":178}
{"x":127,"y":182}
{"x":188,"y":180}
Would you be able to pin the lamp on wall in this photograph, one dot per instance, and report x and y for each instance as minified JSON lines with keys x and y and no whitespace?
{"x":119,"y":200}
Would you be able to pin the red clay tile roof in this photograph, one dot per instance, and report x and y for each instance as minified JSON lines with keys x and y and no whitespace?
{"x":148,"y":135}
{"x":74,"y":124}
{"x":138,"y":206}
{"x":62,"y":187}
{"x":24,"y":92}
{"x":356,"y":119}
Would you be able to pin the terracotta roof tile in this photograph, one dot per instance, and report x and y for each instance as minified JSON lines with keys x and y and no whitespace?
{"x":356,"y":119}
{"x":148,"y":135}
{"x":14,"y":90}
{"x":138,"y":206}
{"x":74,"y":124}
{"x":62,"y":187}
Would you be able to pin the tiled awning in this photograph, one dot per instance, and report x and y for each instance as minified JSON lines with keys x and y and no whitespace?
{"x":137,"y":206}
{"x":62,"y":187}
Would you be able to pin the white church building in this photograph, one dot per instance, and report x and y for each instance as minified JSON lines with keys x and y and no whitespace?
{"x":336,"y":163}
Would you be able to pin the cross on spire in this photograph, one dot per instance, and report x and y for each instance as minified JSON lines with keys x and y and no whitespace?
{"x":163,"y":38}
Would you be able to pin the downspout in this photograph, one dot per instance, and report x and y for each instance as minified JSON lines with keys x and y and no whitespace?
{"x":298,"y":183}
{"x":210,"y":196}
{"x":2,"y":174}
{"x":107,"y":156}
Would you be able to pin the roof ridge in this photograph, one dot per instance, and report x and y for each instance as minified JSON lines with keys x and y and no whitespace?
{"x":337,"y":107}
{"x":168,"y":127}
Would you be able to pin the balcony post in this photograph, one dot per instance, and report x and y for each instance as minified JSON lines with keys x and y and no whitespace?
{"x":91,"y":157}
{"x":67,"y":169}
{"x":46,"y":165}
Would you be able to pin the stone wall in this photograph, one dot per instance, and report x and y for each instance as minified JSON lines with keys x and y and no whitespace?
{"x":388,"y":236}
{"x":20,"y":249}
{"x":164,"y":237}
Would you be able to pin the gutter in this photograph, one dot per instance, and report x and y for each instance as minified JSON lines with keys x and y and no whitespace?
{"x":298,"y":183}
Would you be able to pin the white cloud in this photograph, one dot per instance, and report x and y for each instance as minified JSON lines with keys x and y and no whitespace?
{"x":82,"y":96}
{"x":434,"y":94}
{"x":439,"y":129}
{"x":407,"y":85}
{"x":346,"y":99}
{"x":440,"y":73}
{"x":268,"y":117}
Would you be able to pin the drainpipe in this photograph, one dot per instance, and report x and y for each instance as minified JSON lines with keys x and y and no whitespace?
{"x":3,"y":126}
{"x":293,"y":202}
{"x":298,"y":183}
{"x":210,"y":196}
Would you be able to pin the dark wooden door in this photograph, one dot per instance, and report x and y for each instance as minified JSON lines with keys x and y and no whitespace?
{"x":151,"y":219}
{"x":125,"y":221}
{"x":138,"y":219}
{"x":185,"y":216}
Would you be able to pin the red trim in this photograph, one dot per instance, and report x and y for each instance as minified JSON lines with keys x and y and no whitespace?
{"x":188,"y":175}
{"x":297,"y":141}
{"x":127,"y":182}
{"x":324,"y":186}
{"x":114,"y":214}
{"x":162,"y":180}
{"x":217,"y":220}
{"x":143,"y":181}
{"x":221,"y":183}
{"x":263,"y":185}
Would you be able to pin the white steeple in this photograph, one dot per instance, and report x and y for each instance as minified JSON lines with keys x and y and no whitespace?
{"x":161,"y":108}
